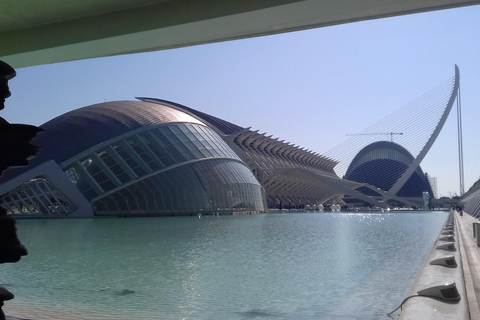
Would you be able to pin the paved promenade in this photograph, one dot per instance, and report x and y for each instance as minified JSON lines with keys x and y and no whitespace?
{"x":470,"y":253}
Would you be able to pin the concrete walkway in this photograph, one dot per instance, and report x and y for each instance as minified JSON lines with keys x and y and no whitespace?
{"x":470,"y":253}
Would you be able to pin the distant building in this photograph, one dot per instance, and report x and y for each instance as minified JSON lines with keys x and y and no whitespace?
{"x":381,"y":164}
{"x":433,"y":185}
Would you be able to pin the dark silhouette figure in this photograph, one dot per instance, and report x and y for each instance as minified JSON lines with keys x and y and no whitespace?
{"x":15,"y":150}
{"x":6,"y":73}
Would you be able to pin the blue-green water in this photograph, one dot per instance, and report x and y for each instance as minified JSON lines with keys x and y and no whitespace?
{"x":270,"y":266}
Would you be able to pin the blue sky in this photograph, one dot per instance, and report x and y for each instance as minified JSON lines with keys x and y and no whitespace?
{"x":309,"y":87}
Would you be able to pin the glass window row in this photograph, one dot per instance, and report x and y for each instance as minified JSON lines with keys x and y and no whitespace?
{"x":143,"y":153}
{"x":35,"y":197}
{"x":184,"y":190}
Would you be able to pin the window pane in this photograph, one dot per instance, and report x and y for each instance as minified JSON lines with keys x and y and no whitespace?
{"x":132,"y":163}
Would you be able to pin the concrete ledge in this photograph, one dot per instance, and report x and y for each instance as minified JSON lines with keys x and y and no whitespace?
{"x":427,"y":308}
{"x":470,"y":261}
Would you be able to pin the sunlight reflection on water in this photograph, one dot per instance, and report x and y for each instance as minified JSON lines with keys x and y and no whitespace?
{"x":283,"y":266}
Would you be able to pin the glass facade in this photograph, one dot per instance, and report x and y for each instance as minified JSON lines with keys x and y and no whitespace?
{"x":134,"y":158}
{"x":36,"y":197}
{"x":381,"y":164}
{"x":206,"y":187}
{"x":168,"y":169}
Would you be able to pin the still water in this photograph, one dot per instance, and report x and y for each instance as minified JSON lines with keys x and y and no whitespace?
{"x":269,"y":266}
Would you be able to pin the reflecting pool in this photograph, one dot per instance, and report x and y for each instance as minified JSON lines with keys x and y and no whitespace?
{"x":271,"y":266}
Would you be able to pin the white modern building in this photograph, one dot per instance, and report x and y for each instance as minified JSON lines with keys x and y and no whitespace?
{"x":130,"y":158}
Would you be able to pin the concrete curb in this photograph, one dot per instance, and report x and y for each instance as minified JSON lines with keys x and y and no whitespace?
{"x":426,"y":307}
{"x":470,"y":260}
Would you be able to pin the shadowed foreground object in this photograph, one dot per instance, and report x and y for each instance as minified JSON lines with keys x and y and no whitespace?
{"x":11,"y":250}
{"x":15,"y":145}
{"x":15,"y":150}
{"x":4,"y":296}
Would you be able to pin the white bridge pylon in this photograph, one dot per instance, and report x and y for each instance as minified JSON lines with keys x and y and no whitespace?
{"x":415,"y":163}
{"x":415,"y":127}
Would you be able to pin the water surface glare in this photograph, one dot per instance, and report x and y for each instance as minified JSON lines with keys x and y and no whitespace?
{"x":269,"y":266}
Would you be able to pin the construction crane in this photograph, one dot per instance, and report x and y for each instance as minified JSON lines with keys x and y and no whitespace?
{"x":377,"y":134}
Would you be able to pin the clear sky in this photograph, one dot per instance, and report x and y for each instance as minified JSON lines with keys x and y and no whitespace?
{"x":309,"y":87}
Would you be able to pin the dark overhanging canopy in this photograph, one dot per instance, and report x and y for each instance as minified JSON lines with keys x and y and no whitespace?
{"x":41,"y":32}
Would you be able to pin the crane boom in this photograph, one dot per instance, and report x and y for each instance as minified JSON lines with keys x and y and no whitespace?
{"x":377,"y":134}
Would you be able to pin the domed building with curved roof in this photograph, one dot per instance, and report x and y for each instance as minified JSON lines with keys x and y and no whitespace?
{"x":131,"y":158}
{"x":381,"y":164}
{"x":290,"y":175}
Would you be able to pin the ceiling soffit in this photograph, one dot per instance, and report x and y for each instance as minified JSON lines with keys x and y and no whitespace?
{"x":71,"y":30}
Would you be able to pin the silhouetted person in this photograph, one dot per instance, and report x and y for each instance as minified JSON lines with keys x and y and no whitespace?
{"x":15,"y":146}
{"x":6,"y":73}
{"x":15,"y":150}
